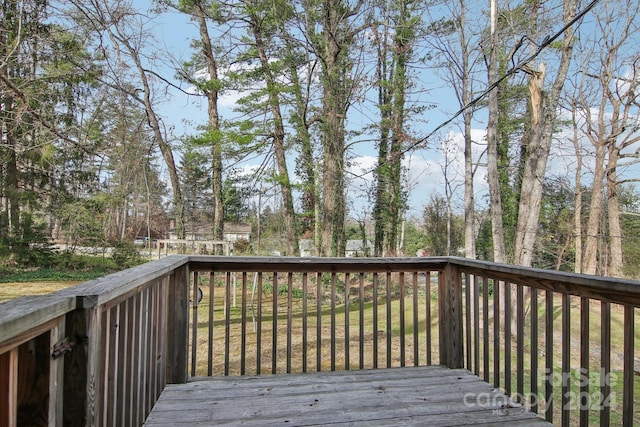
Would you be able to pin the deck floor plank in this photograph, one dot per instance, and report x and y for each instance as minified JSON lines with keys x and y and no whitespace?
{"x":432,"y":396}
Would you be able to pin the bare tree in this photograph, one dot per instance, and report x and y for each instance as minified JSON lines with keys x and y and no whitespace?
{"x":544,"y":106}
{"x":124,"y":33}
{"x":455,"y":42}
{"x":495,"y":200}
{"x":608,"y":101}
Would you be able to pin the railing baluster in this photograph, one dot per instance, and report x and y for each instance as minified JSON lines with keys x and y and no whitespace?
{"x":416,"y":328}
{"x":566,"y":359}
{"x":629,"y":360}
{"x":259,"y":325}
{"x":507,"y":338}
{"x":548,"y":352}
{"x":388,"y":307}
{"x":289,"y":318}
{"x":375,"y":320}
{"x":346,"y":322}
{"x":243,"y":325}
{"x":274,"y":324}
{"x":534,"y":349}
{"x":305,"y":289}
{"x":476,"y":322}
{"x":496,"y":333}
{"x":111,"y":378}
{"x":402,"y":337}
{"x":147,"y":351}
{"x":194,"y":324}
{"x":151,"y":394}
{"x":605,"y":364}
{"x":123,"y":352}
{"x":227,"y":322}
{"x":428,"y":315}
{"x":520,"y":342}
{"x":333,"y":321}
{"x":468,"y":311}
{"x":485,"y":329}
{"x":361,"y":304}
{"x":584,"y":399}
{"x":136,"y":416}
{"x":210,"y":352}
{"x":319,"y":322}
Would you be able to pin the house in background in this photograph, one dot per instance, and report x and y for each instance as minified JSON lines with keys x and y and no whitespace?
{"x":306,"y":248}
{"x":232,"y":232}
{"x":358,"y":248}
{"x":353,"y":248}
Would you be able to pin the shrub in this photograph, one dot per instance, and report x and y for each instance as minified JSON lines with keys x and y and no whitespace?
{"x":126,"y":255}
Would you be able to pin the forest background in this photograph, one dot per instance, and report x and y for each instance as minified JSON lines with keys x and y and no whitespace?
{"x":493,"y":129}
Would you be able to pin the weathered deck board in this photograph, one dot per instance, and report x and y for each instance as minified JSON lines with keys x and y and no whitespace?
{"x":433,"y":396}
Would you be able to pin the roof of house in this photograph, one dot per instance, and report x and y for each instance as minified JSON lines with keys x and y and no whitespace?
{"x":237,"y":228}
{"x":357,"y":245}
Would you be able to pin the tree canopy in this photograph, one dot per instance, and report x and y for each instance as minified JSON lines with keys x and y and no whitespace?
{"x":305,"y":117}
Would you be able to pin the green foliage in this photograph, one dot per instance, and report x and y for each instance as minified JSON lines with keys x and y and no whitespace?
{"x":62,"y":266}
{"x":555,"y":233}
{"x":126,"y":255}
{"x":630,"y":222}
{"x":283,"y":290}
{"x":241,"y":247}
{"x":484,"y":241}
{"x":82,"y":220}
{"x":435,"y":224}
{"x":31,"y":247}
{"x":236,"y":192}
{"x":414,"y":239}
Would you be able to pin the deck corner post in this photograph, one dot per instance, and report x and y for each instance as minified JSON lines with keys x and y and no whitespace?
{"x":82,"y":365}
{"x":450,"y":317}
{"x":178,"y":326}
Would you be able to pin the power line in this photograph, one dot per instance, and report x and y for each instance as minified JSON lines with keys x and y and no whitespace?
{"x":518,"y":67}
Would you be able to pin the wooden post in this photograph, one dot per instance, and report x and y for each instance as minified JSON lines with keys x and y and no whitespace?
{"x":450,"y":317}
{"x":178,"y":326}
{"x":8,"y":388}
{"x":82,"y":365}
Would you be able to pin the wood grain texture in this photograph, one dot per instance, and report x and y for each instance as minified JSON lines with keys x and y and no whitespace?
{"x":398,"y":396}
{"x":21,"y":318}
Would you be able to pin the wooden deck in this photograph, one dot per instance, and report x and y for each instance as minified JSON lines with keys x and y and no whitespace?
{"x":433,"y":396}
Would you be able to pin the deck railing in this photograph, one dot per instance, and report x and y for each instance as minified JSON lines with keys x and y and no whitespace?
{"x":100,"y":353}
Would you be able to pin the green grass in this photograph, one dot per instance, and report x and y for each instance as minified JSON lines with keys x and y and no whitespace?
{"x":54,"y":275}
{"x":66,"y":270}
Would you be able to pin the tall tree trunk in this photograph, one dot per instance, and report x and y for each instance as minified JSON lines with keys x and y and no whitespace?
{"x":334,"y":52}
{"x":306,"y":167}
{"x":292,"y":247}
{"x":401,"y":52}
{"x":469,"y":197}
{"x":613,"y":210}
{"x":540,"y":144}
{"x":381,"y":202}
{"x":213,"y":122}
{"x":577,"y":210}
{"x":590,"y":259}
{"x":492,"y":147}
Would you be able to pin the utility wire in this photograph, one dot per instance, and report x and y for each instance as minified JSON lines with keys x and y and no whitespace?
{"x":518,"y":67}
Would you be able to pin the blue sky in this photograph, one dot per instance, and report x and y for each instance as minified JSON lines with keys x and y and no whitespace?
{"x":424,"y":166}
{"x":424,"y":171}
